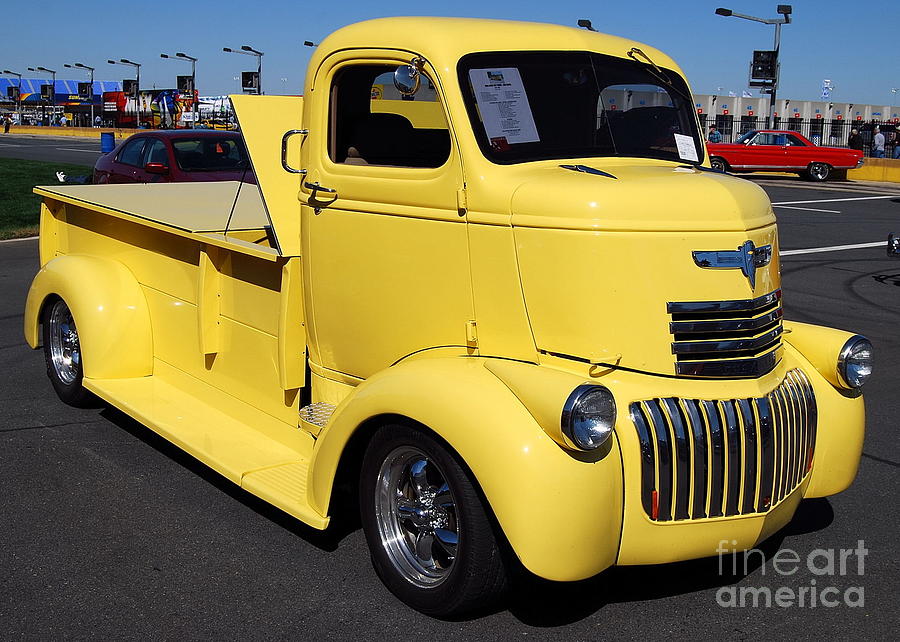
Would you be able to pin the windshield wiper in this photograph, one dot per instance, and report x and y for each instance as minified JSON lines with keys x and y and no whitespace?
{"x":656,"y":72}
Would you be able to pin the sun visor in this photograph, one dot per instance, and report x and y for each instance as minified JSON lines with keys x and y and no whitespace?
{"x":264,"y":120}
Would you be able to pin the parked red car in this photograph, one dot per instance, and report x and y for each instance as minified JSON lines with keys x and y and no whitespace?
{"x":176,"y":156}
{"x":775,"y":150}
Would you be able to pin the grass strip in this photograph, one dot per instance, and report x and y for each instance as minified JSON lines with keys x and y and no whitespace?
{"x":20,"y":210}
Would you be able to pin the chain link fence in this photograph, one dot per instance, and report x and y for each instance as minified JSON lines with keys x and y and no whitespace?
{"x":821,"y":131}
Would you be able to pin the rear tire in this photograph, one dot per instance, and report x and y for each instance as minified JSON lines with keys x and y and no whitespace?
{"x":818,"y":172}
{"x":431,"y":539}
{"x":62,"y":354}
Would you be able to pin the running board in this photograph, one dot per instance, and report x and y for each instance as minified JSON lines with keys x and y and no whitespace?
{"x":256,"y":451}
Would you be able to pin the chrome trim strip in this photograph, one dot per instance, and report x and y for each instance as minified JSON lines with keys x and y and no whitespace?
{"x":729,"y":345}
{"x":682,"y":457}
{"x":664,"y":483}
{"x":733,"y":433}
{"x":767,"y":454}
{"x":701,"y":455}
{"x":648,"y":459}
{"x":717,"y":457}
{"x":736,"y":305}
{"x":748,"y":420}
{"x":725,"y":325}
{"x":799,"y":431}
{"x":730,"y":368}
{"x":785,"y":443}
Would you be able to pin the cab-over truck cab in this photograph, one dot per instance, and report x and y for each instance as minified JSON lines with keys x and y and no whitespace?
{"x":488,"y":276}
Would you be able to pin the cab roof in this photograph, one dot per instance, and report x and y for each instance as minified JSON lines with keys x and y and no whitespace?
{"x":443,"y":41}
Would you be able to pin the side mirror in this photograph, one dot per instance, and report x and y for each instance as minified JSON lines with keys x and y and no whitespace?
{"x":893,"y":246}
{"x":156,"y":168}
{"x":406,"y":80}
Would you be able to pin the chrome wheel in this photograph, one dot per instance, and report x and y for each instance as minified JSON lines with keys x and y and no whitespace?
{"x":718,"y":164}
{"x":416,"y":516}
{"x":65,"y":350}
{"x":819,"y":171}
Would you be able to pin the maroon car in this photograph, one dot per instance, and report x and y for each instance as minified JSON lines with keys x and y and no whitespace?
{"x":176,"y":156}
{"x":772,"y":150}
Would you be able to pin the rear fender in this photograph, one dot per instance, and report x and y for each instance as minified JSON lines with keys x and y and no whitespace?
{"x":109,"y":309}
{"x":560,"y":511}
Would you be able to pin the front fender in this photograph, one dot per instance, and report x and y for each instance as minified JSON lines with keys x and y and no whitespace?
{"x":109,"y":309}
{"x":560,"y":511}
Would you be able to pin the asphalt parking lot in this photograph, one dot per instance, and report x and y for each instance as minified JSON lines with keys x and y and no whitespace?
{"x":59,"y":149}
{"x":110,"y":533}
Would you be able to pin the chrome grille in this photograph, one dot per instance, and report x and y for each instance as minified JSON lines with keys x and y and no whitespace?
{"x":726,"y":338}
{"x":719,"y":458}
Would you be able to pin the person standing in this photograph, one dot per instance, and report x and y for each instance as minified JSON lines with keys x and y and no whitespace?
{"x":6,"y":123}
{"x":855,"y":141}
{"x":63,"y":121}
{"x":878,"y":143}
{"x":714,"y":135}
{"x":97,"y":120}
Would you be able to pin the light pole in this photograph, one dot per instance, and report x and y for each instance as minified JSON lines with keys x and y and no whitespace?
{"x":193,"y":61}
{"x":53,"y":75}
{"x":137,"y":87}
{"x":785,"y":10}
{"x":18,"y":94}
{"x":250,"y":51}
{"x":91,"y":70}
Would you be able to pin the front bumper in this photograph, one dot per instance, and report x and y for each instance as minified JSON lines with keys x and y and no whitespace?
{"x":801,"y":438}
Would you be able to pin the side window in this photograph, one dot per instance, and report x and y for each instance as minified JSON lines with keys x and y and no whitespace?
{"x":156,"y":152}
{"x":764,"y":139}
{"x":793,"y":140}
{"x":131,"y":153}
{"x":373,"y":124}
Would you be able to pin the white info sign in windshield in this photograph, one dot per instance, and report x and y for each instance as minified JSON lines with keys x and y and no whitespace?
{"x":504,"y":106}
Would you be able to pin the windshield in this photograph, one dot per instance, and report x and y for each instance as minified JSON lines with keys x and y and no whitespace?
{"x":745,"y":137}
{"x":527,"y":106}
{"x":210,"y":154}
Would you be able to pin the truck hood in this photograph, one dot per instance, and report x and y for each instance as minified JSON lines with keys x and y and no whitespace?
{"x":607,"y":265}
{"x":647,"y":197}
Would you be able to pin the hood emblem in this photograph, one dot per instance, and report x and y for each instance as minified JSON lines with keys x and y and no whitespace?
{"x":746,"y":258}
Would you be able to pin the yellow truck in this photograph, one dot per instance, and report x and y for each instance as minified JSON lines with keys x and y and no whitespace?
{"x":487,"y":277}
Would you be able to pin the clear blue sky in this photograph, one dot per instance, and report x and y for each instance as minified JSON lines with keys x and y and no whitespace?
{"x":860,"y":55}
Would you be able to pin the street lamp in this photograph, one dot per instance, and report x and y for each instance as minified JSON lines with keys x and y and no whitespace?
{"x":53,"y":75}
{"x":250,"y":51}
{"x":91,"y":70}
{"x":137,"y":87}
{"x":785,"y":10}
{"x":18,"y":94}
{"x":193,"y":61}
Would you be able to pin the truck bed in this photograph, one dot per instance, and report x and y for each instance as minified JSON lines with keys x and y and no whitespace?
{"x":202,"y":209}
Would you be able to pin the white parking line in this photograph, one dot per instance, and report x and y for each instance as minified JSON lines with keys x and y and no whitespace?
{"x":839,"y":200}
{"x":72,"y":149}
{"x":805,"y":209}
{"x":27,"y":238}
{"x":834,"y":248}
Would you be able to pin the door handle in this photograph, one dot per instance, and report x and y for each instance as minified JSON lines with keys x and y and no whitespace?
{"x":284,"y":141}
{"x":315,"y":187}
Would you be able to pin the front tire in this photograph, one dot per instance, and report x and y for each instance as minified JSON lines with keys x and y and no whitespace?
{"x":431,"y":540}
{"x":718,"y":164}
{"x":818,"y":172}
{"x":62,"y":354}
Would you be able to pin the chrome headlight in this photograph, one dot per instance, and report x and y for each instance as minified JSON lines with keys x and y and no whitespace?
{"x":588,"y":417}
{"x":854,"y":364}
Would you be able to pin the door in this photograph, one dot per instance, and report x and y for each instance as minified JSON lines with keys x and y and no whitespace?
{"x":155,"y":151}
{"x":765,"y":150}
{"x":385,"y":240}
{"x":125,"y":166}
